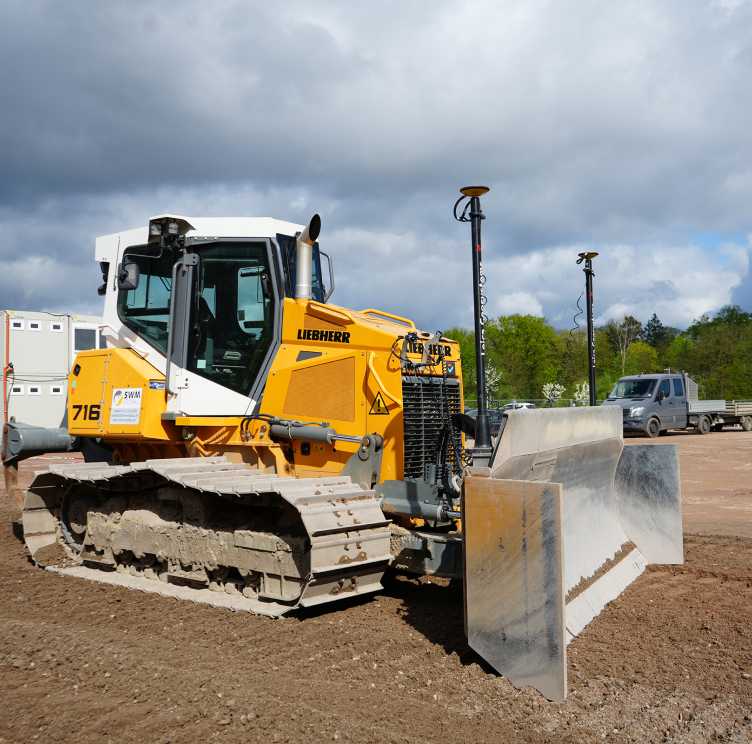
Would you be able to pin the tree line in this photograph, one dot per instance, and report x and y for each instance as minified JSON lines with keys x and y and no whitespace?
{"x":524,"y":353}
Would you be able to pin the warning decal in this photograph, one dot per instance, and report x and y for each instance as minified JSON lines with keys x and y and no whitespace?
{"x":378,"y":408}
{"x":125,"y":407}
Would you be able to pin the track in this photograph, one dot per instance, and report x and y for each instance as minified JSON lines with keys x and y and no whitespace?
{"x":211,"y":531}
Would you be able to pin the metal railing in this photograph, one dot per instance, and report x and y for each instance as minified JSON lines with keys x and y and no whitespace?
{"x":499,"y":403}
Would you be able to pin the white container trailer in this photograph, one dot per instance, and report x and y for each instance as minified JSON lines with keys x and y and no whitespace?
{"x":36,"y":351}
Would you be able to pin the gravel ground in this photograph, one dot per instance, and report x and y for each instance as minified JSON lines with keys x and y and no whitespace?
{"x":670,"y":660}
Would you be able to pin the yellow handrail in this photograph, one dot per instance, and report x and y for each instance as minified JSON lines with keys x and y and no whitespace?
{"x":389,"y":316}
{"x":326,"y":312}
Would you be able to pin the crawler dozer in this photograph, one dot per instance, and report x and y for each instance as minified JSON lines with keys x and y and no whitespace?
{"x":251,"y":445}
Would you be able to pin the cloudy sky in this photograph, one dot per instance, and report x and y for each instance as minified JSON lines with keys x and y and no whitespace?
{"x":620,"y":127}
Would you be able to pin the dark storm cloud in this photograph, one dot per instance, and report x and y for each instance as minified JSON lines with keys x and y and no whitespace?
{"x":594,"y":124}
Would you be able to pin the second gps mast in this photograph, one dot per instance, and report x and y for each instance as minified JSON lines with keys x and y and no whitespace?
{"x":588,"y":257}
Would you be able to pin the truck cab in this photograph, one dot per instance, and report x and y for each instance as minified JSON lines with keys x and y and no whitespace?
{"x":652,"y":403}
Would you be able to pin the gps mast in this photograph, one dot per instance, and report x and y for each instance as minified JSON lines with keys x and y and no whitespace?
{"x":588,"y":257}
{"x":473,"y":214}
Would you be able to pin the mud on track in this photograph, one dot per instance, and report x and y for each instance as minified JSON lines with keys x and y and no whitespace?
{"x":670,"y":660}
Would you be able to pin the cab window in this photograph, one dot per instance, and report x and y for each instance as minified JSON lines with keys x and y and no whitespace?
{"x":289,"y":256}
{"x":678,"y":387}
{"x":665,"y":388}
{"x":146,"y":309}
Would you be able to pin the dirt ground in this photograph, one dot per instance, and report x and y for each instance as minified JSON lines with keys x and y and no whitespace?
{"x":716,"y":475}
{"x":669,"y":661}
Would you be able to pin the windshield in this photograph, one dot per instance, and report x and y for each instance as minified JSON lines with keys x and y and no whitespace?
{"x":633,"y":389}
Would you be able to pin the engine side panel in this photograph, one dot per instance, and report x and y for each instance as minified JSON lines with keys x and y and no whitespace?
{"x":115,"y":394}
{"x":344,"y":367}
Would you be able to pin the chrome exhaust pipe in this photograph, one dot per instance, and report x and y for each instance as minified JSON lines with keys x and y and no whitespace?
{"x":304,"y":258}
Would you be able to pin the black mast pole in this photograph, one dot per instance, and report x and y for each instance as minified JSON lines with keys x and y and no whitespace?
{"x":588,"y":259}
{"x":482,"y":428}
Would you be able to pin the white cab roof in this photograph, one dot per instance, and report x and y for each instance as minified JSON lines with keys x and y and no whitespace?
{"x":204,"y":227}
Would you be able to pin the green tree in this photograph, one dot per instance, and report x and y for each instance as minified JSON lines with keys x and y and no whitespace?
{"x":718,"y":353}
{"x":523,"y":352}
{"x":656,"y":334}
{"x":607,"y":363}
{"x":466,"y":340}
{"x":574,"y":357}
{"x":677,"y":353}
{"x":641,"y":357}
{"x":732,"y":315}
{"x":527,"y":352}
{"x":622,"y":335}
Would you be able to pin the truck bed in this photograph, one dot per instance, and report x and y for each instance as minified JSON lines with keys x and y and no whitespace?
{"x":707,"y":406}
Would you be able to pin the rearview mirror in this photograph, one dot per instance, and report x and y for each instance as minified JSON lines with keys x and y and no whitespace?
{"x":128,"y":275}
{"x":660,"y":396}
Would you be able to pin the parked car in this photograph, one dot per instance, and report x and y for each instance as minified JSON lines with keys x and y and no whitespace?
{"x":518,"y":406}
{"x":495,"y":415}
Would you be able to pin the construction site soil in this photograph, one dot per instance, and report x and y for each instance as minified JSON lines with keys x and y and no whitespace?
{"x":669,"y":661}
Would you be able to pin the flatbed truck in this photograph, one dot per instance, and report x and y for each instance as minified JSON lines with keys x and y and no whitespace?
{"x":653,"y":404}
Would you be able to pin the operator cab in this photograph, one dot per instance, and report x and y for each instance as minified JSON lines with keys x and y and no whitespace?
{"x":211,"y":304}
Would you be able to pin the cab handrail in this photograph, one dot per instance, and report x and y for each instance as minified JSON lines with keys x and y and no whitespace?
{"x":390,"y":316}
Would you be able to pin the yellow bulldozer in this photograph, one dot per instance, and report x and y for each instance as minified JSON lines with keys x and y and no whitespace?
{"x":251,"y":445}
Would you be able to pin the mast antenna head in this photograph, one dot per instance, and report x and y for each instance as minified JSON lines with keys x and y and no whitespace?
{"x":474,"y":190}
{"x":586,"y":256}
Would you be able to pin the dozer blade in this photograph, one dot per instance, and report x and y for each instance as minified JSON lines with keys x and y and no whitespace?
{"x":561,"y":523}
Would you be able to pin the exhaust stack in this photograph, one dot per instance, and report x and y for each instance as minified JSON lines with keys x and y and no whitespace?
{"x":304,"y":258}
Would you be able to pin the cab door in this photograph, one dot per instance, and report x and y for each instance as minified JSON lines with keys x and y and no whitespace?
{"x":232,"y":327}
{"x":665,"y":409}
{"x":680,"y":403}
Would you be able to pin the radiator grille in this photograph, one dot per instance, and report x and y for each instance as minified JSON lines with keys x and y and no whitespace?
{"x":425,"y":404}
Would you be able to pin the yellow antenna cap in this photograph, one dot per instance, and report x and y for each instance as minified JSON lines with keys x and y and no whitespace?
{"x":474,"y":190}
{"x":588,"y":254}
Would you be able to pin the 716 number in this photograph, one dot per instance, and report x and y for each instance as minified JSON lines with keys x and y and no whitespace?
{"x":91,"y":411}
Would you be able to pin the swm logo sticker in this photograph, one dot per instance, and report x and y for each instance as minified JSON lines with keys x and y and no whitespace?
{"x":125,"y":407}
